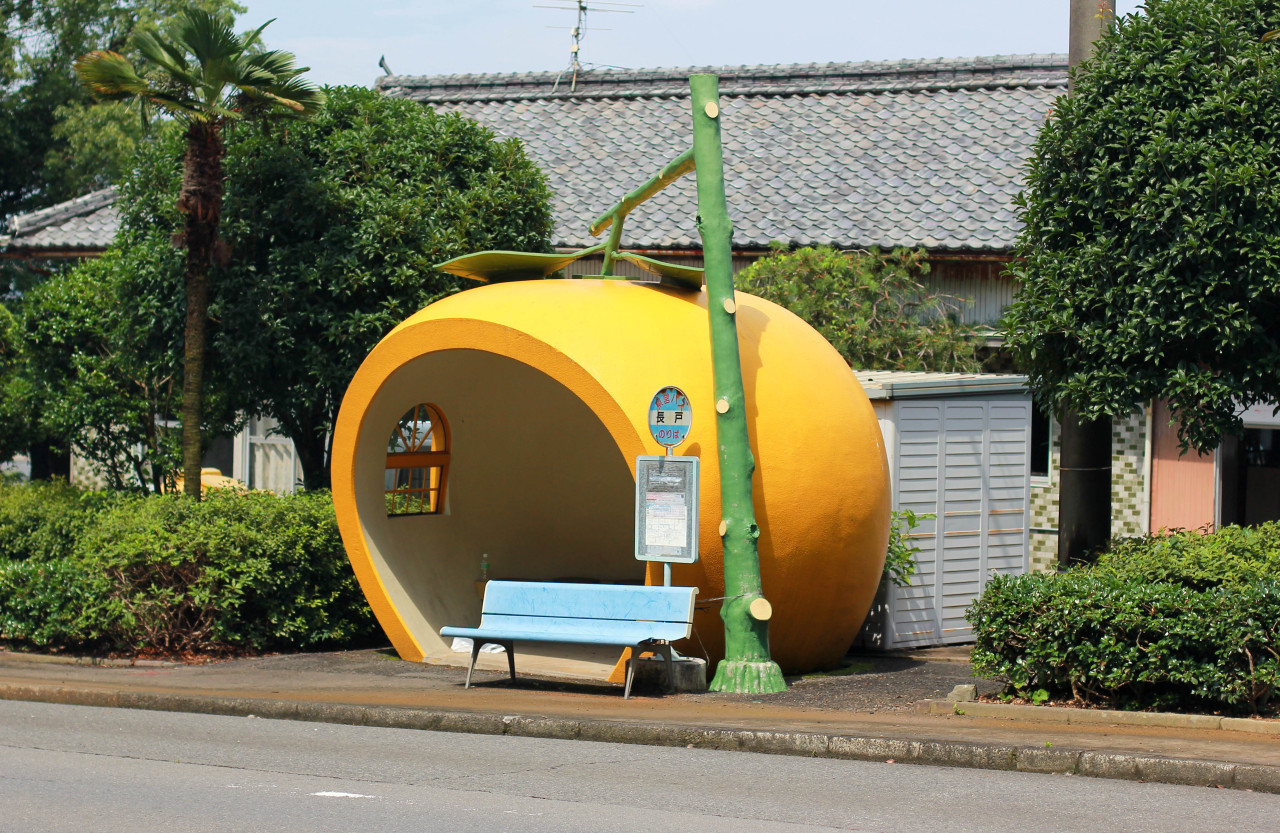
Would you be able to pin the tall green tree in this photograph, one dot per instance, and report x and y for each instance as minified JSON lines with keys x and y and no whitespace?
{"x":873,"y":306}
{"x":205,"y":76}
{"x":335,"y":224}
{"x":1151,"y":242}
{"x":54,"y":142}
{"x":94,"y":369}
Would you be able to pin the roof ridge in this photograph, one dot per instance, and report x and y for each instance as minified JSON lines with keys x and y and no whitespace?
{"x":1028,"y":70}
{"x":63,"y":211}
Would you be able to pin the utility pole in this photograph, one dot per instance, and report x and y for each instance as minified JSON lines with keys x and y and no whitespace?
{"x":1089,"y":19}
{"x":1084,"y":471}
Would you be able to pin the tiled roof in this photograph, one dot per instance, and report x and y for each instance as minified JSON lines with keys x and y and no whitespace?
{"x":914,"y":384}
{"x":919,"y":153}
{"x":87,"y":224}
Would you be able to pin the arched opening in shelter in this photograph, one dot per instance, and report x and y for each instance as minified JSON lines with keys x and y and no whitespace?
{"x":464,"y":454}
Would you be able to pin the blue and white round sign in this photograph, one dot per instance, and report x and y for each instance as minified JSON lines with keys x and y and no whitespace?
{"x":670,"y":415}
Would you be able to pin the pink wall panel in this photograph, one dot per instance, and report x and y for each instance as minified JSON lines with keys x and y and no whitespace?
{"x":1182,"y":485}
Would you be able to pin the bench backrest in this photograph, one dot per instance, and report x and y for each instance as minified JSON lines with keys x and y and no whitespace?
{"x":561,"y":606}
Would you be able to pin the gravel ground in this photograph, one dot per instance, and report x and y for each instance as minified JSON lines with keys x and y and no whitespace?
{"x":880,"y":683}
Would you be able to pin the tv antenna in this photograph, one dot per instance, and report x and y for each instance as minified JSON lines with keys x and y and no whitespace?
{"x":582,"y":7}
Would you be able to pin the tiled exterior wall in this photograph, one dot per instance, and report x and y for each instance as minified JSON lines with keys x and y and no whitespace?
{"x":1128,"y":514}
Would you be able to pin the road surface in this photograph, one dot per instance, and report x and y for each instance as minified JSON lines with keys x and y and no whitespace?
{"x":71,"y":768}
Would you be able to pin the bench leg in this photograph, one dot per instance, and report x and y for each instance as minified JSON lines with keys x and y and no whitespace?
{"x":631,"y":671}
{"x":475,"y":652}
{"x":511,"y":657}
{"x":477,"y":644}
{"x":671,"y":671}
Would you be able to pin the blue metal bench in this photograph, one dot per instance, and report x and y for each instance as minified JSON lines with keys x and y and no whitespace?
{"x":632,"y":616}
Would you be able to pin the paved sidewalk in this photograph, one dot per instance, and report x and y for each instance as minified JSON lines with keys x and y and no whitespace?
{"x":375,"y":688}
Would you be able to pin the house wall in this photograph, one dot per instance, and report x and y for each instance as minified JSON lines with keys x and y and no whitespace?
{"x":1183,"y":485}
{"x":979,"y":283}
{"x":1129,"y":496}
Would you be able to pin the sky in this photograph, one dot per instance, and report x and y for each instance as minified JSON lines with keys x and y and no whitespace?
{"x":342,"y":41}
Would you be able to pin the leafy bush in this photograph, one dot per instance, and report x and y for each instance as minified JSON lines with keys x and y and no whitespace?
{"x":1115,"y":640}
{"x":900,"y":557}
{"x":44,"y":603}
{"x":873,"y":307}
{"x":43,"y":520}
{"x":234,"y":572}
{"x":1232,"y":555}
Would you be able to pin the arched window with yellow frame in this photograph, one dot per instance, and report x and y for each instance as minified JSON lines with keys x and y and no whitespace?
{"x":418,"y":462}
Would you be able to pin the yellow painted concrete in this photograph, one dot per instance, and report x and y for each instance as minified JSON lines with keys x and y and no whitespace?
{"x":545,"y":385}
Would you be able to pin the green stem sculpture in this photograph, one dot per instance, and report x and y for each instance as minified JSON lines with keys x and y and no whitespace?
{"x":747,"y":667}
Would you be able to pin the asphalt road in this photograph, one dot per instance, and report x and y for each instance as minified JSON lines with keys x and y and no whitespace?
{"x":69,"y":768}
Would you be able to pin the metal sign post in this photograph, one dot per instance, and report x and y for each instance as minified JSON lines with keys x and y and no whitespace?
{"x":667,"y":487}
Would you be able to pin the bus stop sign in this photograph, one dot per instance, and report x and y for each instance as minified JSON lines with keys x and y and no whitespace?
{"x":670,"y":415}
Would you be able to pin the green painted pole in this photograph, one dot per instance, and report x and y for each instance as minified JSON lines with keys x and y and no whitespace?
{"x":746,"y":667}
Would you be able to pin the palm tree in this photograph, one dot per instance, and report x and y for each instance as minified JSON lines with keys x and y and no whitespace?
{"x":206,"y":76}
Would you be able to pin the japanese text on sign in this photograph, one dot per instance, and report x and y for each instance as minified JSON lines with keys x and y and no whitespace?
{"x":670,"y":415}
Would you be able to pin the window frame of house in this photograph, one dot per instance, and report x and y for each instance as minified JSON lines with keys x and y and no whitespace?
{"x":1040,"y":454}
{"x":421,"y":475}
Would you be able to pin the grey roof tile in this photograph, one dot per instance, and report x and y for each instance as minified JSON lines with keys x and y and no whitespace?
{"x":875,"y":153}
{"x":920,"y":153}
{"x":87,"y":223}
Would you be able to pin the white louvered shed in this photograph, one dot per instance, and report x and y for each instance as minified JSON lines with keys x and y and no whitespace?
{"x":959,"y":449}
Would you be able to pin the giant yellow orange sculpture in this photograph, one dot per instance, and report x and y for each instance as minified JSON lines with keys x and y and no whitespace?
{"x":544,"y":386}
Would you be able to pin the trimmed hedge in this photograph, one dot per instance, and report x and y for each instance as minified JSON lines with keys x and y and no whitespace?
{"x":1189,"y":621}
{"x":1102,"y":640}
{"x":234,"y":572}
{"x":1232,"y":555}
{"x":43,"y":520}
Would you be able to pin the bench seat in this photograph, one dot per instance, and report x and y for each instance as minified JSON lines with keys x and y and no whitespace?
{"x":632,"y":616}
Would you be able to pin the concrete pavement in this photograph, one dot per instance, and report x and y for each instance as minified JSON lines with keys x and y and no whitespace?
{"x":374,"y":688}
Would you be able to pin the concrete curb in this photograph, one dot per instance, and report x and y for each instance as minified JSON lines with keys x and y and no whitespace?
{"x":1049,"y":714}
{"x":101,"y":662}
{"x":895,"y":750}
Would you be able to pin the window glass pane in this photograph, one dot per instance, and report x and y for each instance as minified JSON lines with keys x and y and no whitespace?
{"x":1040,"y":443}
{"x":416,"y":486}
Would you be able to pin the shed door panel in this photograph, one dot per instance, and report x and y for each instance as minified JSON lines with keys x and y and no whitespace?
{"x":966,"y":461}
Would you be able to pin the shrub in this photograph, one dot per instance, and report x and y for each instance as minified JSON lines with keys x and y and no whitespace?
{"x":234,"y":572}
{"x":1103,"y":638}
{"x":44,"y":603}
{"x":42,"y":520}
{"x":873,"y":307}
{"x":1232,"y":555}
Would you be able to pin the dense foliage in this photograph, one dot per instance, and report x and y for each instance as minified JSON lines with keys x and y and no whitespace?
{"x":873,"y":307}
{"x":234,"y":572}
{"x":1150,"y":253}
{"x":1234,"y":555}
{"x":1189,"y":622}
{"x":56,"y":144}
{"x":335,"y":226}
{"x":332,"y":228}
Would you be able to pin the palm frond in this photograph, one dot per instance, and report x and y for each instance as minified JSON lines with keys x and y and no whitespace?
{"x":167,"y":56}
{"x":109,"y":75}
{"x":163,"y":53}
{"x":204,"y":70}
{"x":250,"y":38}
{"x":207,"y":36}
